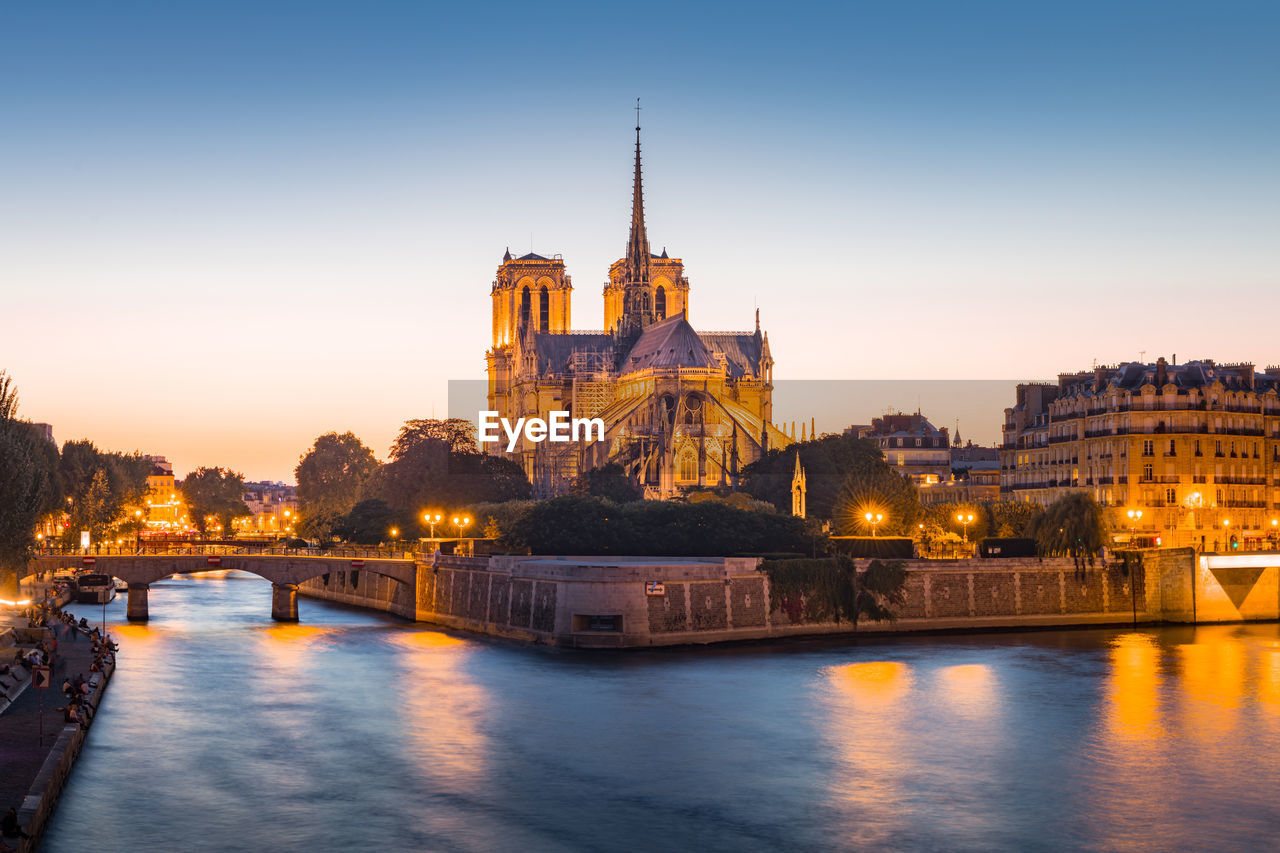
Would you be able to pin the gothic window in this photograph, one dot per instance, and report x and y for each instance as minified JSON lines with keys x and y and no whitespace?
{"x":524,"y":306}
{"x":688,"y":466}
{"x":544,"y":309}
{"x":660,"y":303}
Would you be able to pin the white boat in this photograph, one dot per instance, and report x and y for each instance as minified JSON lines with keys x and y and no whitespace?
{"x":121,"y":586}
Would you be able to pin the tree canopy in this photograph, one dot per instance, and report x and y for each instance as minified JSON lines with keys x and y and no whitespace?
{"x":214,"y":494}
{"x":829,"y":463}
{"x":1072,"y":526}
{"x":26,"y":484}
{"x":332,"y":476}
{"x":435,"y":464}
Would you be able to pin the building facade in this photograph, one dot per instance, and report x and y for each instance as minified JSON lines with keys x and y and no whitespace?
{"x":913,"y":446}
{"x":682,"y":408}
{"x":1195,"y":448}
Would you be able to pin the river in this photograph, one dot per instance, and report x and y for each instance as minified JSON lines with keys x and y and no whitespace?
{"x":223,"y":731}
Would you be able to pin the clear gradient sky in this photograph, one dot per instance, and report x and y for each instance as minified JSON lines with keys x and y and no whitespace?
{"x":228,"y":227}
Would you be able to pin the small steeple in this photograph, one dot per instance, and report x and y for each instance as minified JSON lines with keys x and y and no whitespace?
{"x":506,"y":255}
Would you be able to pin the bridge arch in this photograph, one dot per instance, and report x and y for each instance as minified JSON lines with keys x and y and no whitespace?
{"x":285,"y":572}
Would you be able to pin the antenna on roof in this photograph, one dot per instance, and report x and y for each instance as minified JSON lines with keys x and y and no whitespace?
{"x":1142,"y":356}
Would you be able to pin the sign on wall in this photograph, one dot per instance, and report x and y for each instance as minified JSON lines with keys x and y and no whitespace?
{"x":655,"y":588}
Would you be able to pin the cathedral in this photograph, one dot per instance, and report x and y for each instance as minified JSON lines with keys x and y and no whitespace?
{"x":682,"y":409}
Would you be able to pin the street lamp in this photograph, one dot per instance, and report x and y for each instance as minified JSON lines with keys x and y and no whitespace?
{"x":395,"y":531}
{"x":965,"y":520}
{"x":1135,"y":515}
{"x":461,"y":523}
{"x":874,"y":518}
{"x":432,"y":519}
{"x":1226,"y":525}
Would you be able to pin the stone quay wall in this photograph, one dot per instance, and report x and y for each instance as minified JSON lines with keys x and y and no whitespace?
{"x":37,"y":807}
{"x":594,"y":602}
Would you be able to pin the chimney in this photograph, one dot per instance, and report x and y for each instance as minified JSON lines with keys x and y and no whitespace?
{"x":1162,"y":372}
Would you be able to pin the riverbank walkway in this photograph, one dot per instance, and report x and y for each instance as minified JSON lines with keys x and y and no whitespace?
{"x":21,"y":753}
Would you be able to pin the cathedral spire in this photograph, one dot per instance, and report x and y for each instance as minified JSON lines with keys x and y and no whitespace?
{"x":638,"y":300}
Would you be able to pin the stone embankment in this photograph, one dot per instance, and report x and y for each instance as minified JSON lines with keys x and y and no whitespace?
{"x":37,"y":749}
{"x":593,"y":602}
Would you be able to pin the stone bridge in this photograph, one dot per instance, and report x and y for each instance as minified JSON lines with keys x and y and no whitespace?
{"x":285,"y":571}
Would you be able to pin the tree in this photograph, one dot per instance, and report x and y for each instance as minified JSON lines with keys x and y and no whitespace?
{"x":99,"y":488}
{"x":434,"y":463}
{"x":371,"y":521}
{"x":457,"y":435}
{"x":1013,"y":518}
{"x":332,"y":476}
{"x":214,"y":494}
{"x":24,"y":489}
{"x":1072,"y":526}
{"x":610,"y":481}
{"x":828,"y":463}
{"x":876,"y":489}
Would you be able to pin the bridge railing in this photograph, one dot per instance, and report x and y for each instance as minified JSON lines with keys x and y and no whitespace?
{"x":341,"y":552}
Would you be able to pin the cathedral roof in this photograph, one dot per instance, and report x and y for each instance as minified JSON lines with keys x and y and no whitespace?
{"x":554,"y":350}
{"x":742,"y":351}
{"x":532,"y":257}
{"x":669,"y":343}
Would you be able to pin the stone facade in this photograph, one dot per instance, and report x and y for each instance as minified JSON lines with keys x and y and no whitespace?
{"x":1195,"y":448}
{"x":589,"y":602}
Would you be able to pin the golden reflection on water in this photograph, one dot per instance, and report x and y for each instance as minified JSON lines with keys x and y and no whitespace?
{"x":443,"y":709}
{"x":874,"y":753}
{"x":970,"y":690}
{"x":1133,"y":689}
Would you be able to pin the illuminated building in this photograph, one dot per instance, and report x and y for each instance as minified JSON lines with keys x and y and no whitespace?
{"x":681,"y":408}
{"x":1195,"y":447}
{"x":163,"y":512}
{"x":912,"y":446}
{"x":274,"y":508}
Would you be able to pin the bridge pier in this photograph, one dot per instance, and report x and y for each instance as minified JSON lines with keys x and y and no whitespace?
{"x":136,"y":610}
{"x":284,"y":602}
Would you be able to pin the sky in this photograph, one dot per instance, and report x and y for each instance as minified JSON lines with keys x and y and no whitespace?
{"x":226,"y":228}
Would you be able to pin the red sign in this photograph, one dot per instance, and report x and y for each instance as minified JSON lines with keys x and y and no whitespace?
{"x":215,"y":561}
{"x":89,"y":561}
{"x":357,"y":564}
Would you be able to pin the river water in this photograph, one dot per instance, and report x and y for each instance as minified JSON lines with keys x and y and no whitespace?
{"x":223,"y":731}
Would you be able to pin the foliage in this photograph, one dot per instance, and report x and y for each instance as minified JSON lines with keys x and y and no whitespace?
{"x":579,"y":524}
{"x":829,"y":589}
{"x":216,"y":493}
{"x":942,"y":518}
{"x":811,"y":590}
{"x":877,"y":488}
{"x":610,"y":481}
{"x":738,"y":500}
{"x":435,"y":464}
{"x":1012,"y":518}
{"x":99,"y":488}
{"x":881,"y":587}
{"x":371,"y":521}
{"x":332,"y":476}
{"x":828,"y":463}
{"x":497,"y":520}
{"x":27,"y":486}
{"x":1073,"y":526}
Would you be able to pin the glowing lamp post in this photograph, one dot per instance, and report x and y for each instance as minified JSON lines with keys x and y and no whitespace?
{"x":432,"y":519}
{"x":1226,"y":528}
{"x":874,"y":519}
{"x":965,"y":519}
{"x":461,"y":523}
{"x":1135,"y":515}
